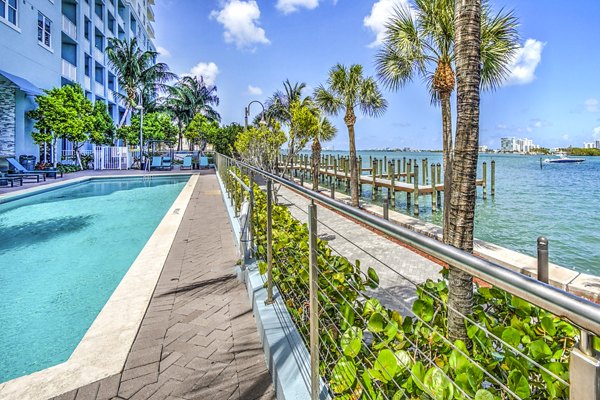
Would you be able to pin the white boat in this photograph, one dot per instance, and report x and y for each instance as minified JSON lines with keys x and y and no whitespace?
{"x":563,"y":159}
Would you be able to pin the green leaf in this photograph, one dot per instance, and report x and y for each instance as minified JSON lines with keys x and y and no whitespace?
{"x":373,"y":281}
{"x":519,"y":385}
{"x":348,"y":316}
{"x":521,"y":305}
{"x":262,"y":267}
{"x":403,"y":359}
{"x":343,"y":375}
{"x":483,"y":394}
{"x":376,"y":323}
{"x":439,"y":384}
{"x":418,"y":374}
{"x":372,"y":305}
{"x":423,"y":309}
{"x":351,"y":341}
{"x":386,"y":365}
{"x":511,"y":336}
{"x":549,"y":326}
{"x":539,"y":350}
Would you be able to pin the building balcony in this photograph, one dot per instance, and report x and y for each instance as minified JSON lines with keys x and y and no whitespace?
{"x":150,"y":31}
{"x":68,"y":70}
{"x":98,"y":55}
{"x":99,"y":88}
{"x":150,"y":13}
{"x":86,"y":43}
{"x":69,"y":27}
{"x":87,"y":82}
{"x":98,"y":22}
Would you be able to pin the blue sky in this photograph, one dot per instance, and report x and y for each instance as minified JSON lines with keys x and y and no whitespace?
{"x":248,"y":48}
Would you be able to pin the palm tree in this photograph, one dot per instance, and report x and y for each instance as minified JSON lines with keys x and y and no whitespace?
{"x":137,"y":72}
{"x":187,"y":98}
{"x":324,"y":132}
{"x":464,"y":170}
{"x":420,"y":41}
{"x":348,"y":89}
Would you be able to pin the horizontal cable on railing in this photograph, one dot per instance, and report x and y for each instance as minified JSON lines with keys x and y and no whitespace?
{"x":513,"y":349}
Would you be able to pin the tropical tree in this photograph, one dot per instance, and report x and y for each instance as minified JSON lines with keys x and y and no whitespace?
{"x":137,"y":72}
{"x":187,"y":98}
{"x":469,"y":75}
{"x":157,"y":126}
{"x":63,"y":113}
{"x":419,"y":41}
{"x":199,"y":130}
{"x":324,"y":132}
{"x":224,"y":138}
{"x":103,"y":127}
{"x":348,"y":89}
{"x":260,"y":145}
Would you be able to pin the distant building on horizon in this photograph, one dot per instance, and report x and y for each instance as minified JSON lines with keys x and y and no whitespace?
{"x":592,"y":145}
{"x":515,"y":145}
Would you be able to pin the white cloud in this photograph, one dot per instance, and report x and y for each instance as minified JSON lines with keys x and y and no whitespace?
{"x":290,"y":6}
{"x":254,"y":90}
{"x":380,"y":13}
{"x":526,"y":60}
{"x":240,"y":20}
{"x":163,"y":52}
{"x":208,"y":71}
{"x":565,"y":137}
{"x":597,"y":132}
{"x":592,"y":105}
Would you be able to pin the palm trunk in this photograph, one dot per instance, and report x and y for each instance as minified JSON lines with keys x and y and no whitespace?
{"x":315,"y":163}
{"x":447,"y":157}
{"x":350,"y":120}
{"x":464,"y":167}
{"x":180,"y":136}
{"x":124,"y":117}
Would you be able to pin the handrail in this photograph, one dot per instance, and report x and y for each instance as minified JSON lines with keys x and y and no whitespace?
{"x":241,"y":182}
{"x":581,"y":312}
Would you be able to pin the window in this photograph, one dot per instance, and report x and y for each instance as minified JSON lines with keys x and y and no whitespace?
{"x":8,"y":10}
{"x":44,"y":29}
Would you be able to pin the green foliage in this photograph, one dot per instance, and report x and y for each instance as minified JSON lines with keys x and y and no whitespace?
{"x":223,"y":139}
{"x":157,"y":126}
{"x":388,"y":361}
{"x":260,"y":145}
{"x":578,"y":151}
{"x":63,"y":113}
{"x":103,"y":128}
{"x":68,"y":168}
{"x":200,"y":128}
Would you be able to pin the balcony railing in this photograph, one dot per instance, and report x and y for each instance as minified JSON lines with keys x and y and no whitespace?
{"x":150,"y":13}
{"x":69,"y":27}
{"x":99,"y":88}
{"x":98,"y":55}
{"x":86,"y":43}
{"x":87,"y":82}
{"x":69,"y":71}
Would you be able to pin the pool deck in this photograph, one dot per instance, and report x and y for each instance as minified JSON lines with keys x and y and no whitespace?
{"x":198,"y":338}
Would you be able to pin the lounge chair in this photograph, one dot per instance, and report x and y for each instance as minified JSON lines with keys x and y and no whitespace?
{"x":187,"y":162}
{"x":23,"y":172}
{"x":156,"y":162}
{"x":166,"y":163}
{"x":203,"y":162}
{"x":11,"y":180}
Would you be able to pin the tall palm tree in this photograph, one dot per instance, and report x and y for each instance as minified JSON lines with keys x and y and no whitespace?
{"x":324,"y":132}
{"x":464,"y":170}
{"x":348,"y":89}
{"x":187,"y":98}
{"x":137,"y":72}
{"x":420,"y":42}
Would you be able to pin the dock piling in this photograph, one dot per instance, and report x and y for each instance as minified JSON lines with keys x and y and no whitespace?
{"x":416,"y":190}
{"x":493,"y":178}
{"x":484,"y":168}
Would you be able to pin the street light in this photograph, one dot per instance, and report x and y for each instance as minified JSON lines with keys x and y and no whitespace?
{"x":247,"y":114}
{"x":140,"y":108}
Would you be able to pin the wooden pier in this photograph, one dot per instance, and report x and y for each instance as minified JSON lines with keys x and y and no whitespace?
{"x":415,"y":178}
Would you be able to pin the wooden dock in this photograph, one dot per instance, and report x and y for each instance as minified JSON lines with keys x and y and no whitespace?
{"x":413,"y":177}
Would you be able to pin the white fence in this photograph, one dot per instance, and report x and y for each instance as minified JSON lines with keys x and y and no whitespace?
{"x":111,"y":158}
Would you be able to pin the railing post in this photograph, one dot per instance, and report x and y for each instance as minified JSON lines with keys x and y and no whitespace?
{"x":484,"y":185}
{"x":332,"y":189}
{"x":386,"y":209}
{"x":542,"y":259}
{"x":314,"y":302}
{"x":251,"y":213}
{"x":269,"y":242}
{"x":584,"y":370}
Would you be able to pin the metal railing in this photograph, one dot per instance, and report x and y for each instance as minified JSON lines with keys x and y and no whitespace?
{"x":584,"y":366}
{"x":69,"y":27}
{"x":68,"y":70}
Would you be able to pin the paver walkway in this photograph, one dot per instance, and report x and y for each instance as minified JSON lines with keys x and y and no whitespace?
{"x":397,"y":266}
{"x":198,"y":339}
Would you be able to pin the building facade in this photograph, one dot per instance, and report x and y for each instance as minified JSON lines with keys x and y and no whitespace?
{"x":515,"y":145}
{"x":52,"y":43}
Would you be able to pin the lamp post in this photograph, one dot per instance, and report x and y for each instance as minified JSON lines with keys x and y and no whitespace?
{"x":247,"y":114}
{"x":140,"y":108}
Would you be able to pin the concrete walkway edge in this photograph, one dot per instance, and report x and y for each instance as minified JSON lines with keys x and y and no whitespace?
{"x":286,"y":355}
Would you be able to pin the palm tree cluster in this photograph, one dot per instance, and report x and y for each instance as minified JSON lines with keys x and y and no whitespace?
{"x":147,"y":82}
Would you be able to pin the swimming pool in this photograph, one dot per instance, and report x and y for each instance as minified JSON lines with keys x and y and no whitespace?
{"x":63,"y":253}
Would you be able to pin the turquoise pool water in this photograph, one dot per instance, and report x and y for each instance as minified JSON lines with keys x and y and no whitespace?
{"x":62,"y":255}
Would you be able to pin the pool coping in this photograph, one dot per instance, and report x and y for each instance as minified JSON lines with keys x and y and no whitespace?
{"x":103,"y":350}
